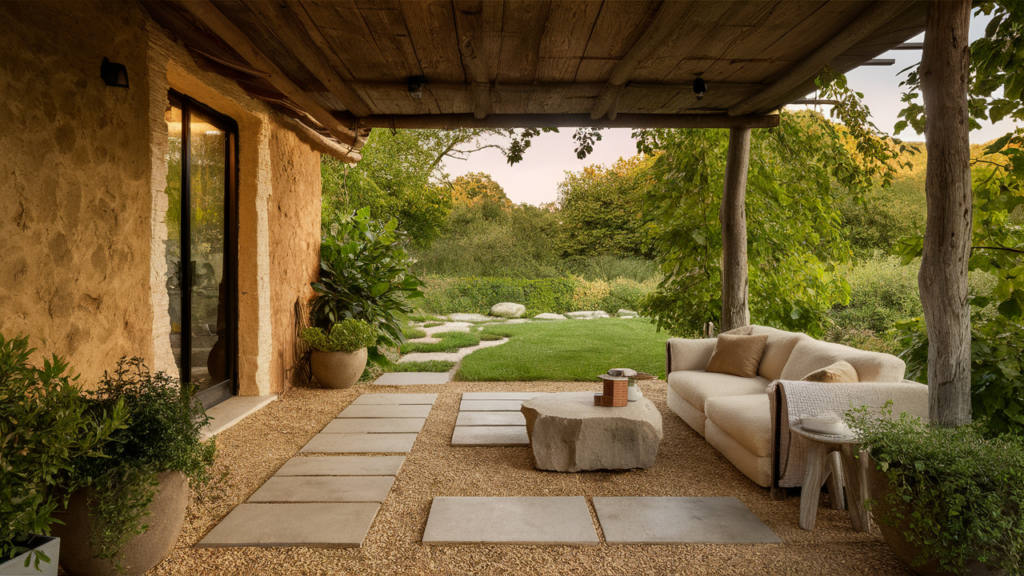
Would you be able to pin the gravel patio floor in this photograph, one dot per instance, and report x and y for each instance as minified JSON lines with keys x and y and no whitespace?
{"x":254,"y":449}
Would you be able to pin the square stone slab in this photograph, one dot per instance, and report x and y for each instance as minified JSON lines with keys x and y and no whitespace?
{"x":392,"y":399}
{"x":490,"y":405}
{"x":491,"y":419}
{"x":314,"y":525}
{"x":345,"y":443}
{"x":557,"y":521}
{"x":324,"y":489}
{"x":663,"y":520}
{"x":500,"y":395}
{"x":374,"y":426}
{"x":413,"y":379}
{"x":342,"y":466}
{"x":490,"y":436}
{"x":379,"y":411}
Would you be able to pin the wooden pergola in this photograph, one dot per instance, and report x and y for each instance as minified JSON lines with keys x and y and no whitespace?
{"x":345,"y":67}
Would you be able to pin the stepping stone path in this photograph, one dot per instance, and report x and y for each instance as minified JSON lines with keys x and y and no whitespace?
{"x":330,"y":501}
{"x":492,"y":419}
{"x":561,"y":521}
{"x":663,"y":520}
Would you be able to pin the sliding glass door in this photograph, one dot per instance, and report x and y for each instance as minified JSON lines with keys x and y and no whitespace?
{"x":201,"y":245}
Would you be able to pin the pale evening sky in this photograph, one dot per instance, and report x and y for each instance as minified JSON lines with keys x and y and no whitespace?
{"x":535,"y":179}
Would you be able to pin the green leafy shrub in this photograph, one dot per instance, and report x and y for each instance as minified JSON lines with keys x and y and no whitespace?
{"x":364,"y":274}
{"x":608,"y":268}
{"x":589,"y":294}
{"x":162,"y":434}
{"x":345,"y":336}
{"x":449,"y":295}
{"x":627,"y":294}
{"x":45,"y":426}
{"x":963,"y":493}
{"x":882,"y":292}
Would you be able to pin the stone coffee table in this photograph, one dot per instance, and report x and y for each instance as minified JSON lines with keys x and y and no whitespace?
{"x":569,"y":434}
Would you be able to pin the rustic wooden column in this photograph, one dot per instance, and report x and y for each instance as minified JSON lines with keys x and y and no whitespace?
{"x":733,"y":215}
{"x":947,"y":239}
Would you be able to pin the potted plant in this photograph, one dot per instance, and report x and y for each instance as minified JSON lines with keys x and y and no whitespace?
{"x":339,"y":356}
{"x":947,"y":500}
{"x":45,"y":425}
{"x":128,"y":516}
{"x":365,"y":275}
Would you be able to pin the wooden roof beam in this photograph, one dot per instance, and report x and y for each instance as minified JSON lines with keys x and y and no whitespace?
{"x":289,"y":30}
{"x":220,"y":25}
{"x":473,"y":18}
{"x":666,"y":22}
{"x":452,"y":121}
{"x":870,"y":20}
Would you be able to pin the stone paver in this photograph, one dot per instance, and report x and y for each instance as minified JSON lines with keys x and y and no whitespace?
{"x":448,"y":327}
{"x":324,"y":489}
{"x":384,"y":411}
{"x":413,"y":379}
{"x":500,"y":395}
{"x":342,"y":466}
{"x":315,"y":525}
{"x":424,"y":340}
{"x":555,"y":521}
{"x":394,"y":399}
{"x":491,"y":419}
{"x":490,"y":436}
{"x":469,"y":317}
{"x":490,"y":405}
{"x":374,"y":426}
{"x":355,"y":443}
{"x":663,"y":520}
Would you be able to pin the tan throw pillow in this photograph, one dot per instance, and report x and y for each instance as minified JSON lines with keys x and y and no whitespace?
{"x":841,"y":371}
{"x":737,"y":355}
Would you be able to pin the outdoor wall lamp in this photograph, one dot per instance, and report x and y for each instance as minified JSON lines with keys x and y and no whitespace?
{"x":416,"y":86}
{"x":114,"y":74}
{"x":699,"y":87}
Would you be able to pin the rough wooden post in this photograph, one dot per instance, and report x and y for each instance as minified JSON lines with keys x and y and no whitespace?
{"x":733,"y":215}
{"x":947,"y":239}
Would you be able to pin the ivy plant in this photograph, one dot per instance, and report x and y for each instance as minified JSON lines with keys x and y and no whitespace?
{"x":345,"y":336}
{"x":45,"y":426}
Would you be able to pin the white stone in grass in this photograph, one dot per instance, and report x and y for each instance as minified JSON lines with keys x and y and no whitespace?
{"x":508,"y":310}
{"x":469,"y":318}
{"x":587,"y":315}
{"x":549,"y":316}
{"x":623,"y":313}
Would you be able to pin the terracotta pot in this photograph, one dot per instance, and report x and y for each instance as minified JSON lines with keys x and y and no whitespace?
{"x":338,"y":369}
{"x":893,"y":535}
{"x":141,"y":553}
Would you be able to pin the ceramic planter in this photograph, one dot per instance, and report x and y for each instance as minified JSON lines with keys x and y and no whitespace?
{"x":48,"y":545}
{"x":338,"y":369}
{"x":893,"y":535}
{"x":141,"y":553}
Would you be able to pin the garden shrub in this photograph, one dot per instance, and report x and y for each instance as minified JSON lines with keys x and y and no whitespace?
{"x":882,"y":292}
{"x":626,"y":294}
{"x":448,"y":295}
{"x":589,"y":294}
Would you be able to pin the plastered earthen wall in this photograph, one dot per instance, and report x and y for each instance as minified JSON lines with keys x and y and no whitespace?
{"x":83,"y":177}
{"x":74,"y":183}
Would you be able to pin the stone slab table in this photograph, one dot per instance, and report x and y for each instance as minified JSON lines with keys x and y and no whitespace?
{"x":569,"y":434}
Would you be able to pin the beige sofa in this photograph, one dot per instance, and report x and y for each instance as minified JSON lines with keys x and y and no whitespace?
{"x":747,"y":419}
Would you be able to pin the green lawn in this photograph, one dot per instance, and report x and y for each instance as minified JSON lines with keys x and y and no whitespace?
{"x":570,"y":350}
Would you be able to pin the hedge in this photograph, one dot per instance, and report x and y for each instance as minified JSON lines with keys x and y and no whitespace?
{"x":557,"y":295}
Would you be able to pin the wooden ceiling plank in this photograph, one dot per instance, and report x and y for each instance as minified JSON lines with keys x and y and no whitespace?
{"x":431,"y":28}
{"x":877,"y":15}
{"x":452,"y":121}
{"x":313,"y":31}
{"x":522,"y":30}
{"x":285,"y":25}
{"x":345,"y":31}
{"x":568,"y":30}
{"x":665,"y":24}
{"x":220,"y":25}
{"x":478,"y":25}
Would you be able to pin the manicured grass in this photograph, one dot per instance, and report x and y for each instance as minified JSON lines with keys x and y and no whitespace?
{"x":450,"y":342}
{"x":431,"y":324}
{"x":428,"y":366}
{"x":411,"y":332}
{"x":568,"y":350}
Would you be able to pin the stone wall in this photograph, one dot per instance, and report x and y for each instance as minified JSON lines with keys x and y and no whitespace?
{"x":74,"y":180}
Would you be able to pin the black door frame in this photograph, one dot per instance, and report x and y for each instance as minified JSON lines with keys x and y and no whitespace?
{"x":230,"y":127}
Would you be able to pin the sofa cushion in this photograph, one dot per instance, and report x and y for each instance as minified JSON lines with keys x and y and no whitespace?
{"x":810,"y":355}
{"x":777,"y":350}
{"x":737,"y":355}
{"x":841,"y":371}
{"x":696,"y":386}
{"x":745,"y":418}
{"x":757,"y":468}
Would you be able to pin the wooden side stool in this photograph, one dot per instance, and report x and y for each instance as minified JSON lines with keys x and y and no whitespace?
{"x":832,"y":457}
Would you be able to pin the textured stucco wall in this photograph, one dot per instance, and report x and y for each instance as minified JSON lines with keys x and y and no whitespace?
{"x":294,"y":214}
{"x":74,"y":182}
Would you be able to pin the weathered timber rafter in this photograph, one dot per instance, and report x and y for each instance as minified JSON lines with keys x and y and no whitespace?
{"x":665,"y":23}
{"x":286,"y":26}
{"x":472,"y":19}
{"x":223,"y":27}
{"x":452,"y":121}
{"x":870,"y":20}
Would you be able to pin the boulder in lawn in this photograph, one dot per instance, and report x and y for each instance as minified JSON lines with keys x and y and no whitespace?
{"x":508,"y":310}
{"x":623,"y":313}
{"x":587,"y":314}
{"x":549,"y":316}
